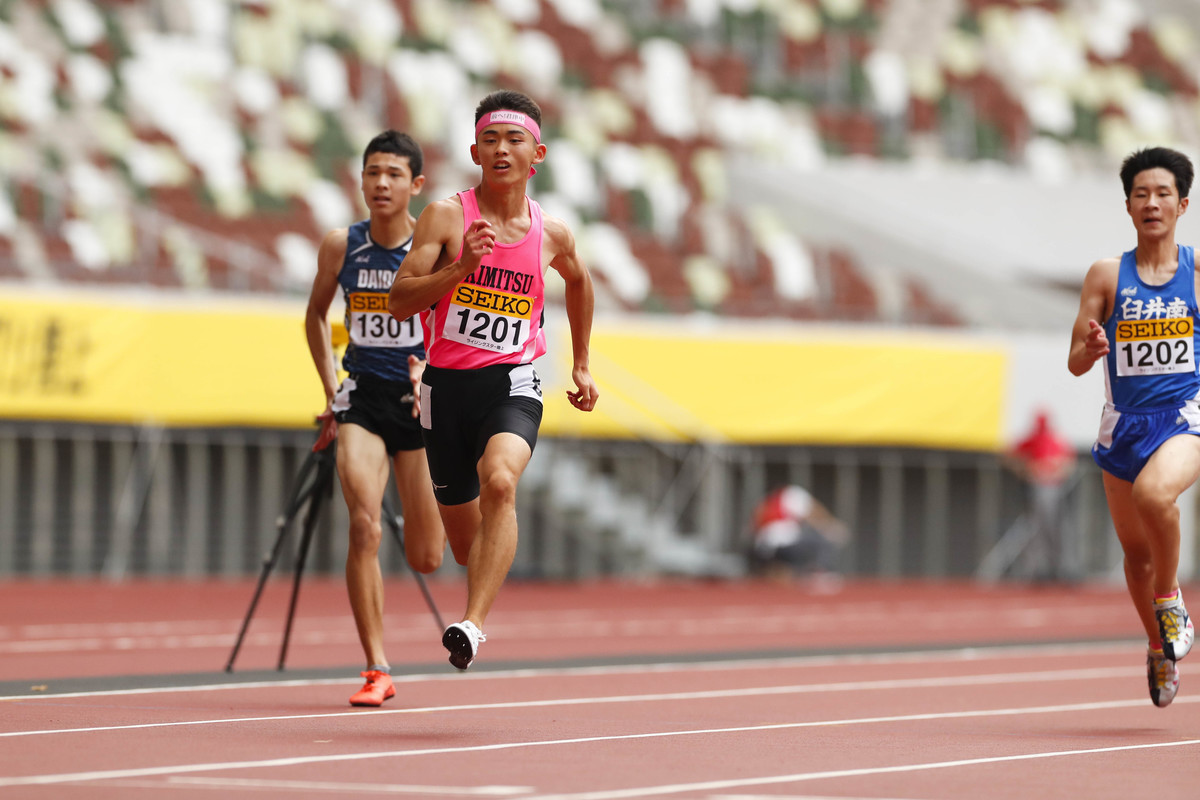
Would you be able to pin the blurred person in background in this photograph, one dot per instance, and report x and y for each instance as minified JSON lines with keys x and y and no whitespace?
{"x":373,"y":413}
{"x":1138,"y":313}
{"x":1045,"y":461}
{"x":477,"y":273}
{"x":792,"y":535}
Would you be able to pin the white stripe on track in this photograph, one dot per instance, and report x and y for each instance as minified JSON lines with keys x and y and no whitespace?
{"x":178,"y":769}
{"x":957,"y":654}
{"x":997,"y":679}
{"x":535,"y":626}
{"x":340,"y":789}
{"x":700,"y":786}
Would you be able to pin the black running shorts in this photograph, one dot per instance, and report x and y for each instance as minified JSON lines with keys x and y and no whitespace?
{"x":381,"y":406}
{"x":461,"y":409}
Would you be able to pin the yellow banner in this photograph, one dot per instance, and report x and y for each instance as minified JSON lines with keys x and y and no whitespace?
{"x":786,"y":386}
{"x":126,"y":359}
{"x":130,"y":359}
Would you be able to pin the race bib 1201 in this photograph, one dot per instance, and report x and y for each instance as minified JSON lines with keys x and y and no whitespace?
{"x":488,"y":319}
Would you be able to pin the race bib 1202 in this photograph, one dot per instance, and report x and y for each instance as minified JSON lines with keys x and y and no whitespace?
{"x":1155,"y":346}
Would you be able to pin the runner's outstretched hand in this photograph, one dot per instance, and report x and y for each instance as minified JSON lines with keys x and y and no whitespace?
{"x":329,"y":429}
{"x":585,"y":398}
{"x":416,"y":368}
{"x":1096,"y":343}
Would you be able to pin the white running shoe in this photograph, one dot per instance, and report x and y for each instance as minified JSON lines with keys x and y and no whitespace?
{"x":1174,"y":626}
{"x":462,"y":640}
{"x":1163,"y":675}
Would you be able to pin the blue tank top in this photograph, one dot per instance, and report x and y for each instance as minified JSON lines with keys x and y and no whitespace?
{"x":379,"y":343}
{"x":1153,"y":338}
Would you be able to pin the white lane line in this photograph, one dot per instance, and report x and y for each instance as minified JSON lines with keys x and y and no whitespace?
{"x":331,"y":787}
{"x":700,"y":786}
{"x":795,"y":797}
{"x":681,"y":622}
{"x":960,"y":654}
{"x":937,"y":682}
{"x":1019,"y":608}
{"x":178,"y":769}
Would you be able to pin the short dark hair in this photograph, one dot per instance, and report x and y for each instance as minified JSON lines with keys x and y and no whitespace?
{"x":400,"y":144}
{"x":509,"y":100}
{"x":1173,"y":161}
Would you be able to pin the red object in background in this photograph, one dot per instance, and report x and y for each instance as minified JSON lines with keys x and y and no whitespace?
{"x":786,"y":503}
{"x":1048,"y":457}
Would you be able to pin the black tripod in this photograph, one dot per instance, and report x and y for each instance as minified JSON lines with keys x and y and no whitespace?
{"x":312,"y":487}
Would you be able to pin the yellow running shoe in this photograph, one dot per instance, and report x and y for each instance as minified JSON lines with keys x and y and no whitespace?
{"x":1175,"y":626}
{"x":1163,"y":675}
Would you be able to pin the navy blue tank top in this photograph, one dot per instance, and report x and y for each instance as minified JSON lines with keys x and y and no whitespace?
{"x":1153,"y":336}
{"x":379,"y":343}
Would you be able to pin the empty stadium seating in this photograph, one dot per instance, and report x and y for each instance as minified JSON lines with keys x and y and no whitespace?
{"x":208,"y":145}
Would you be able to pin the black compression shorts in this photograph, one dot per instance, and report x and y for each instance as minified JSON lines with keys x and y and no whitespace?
{"x":381,"y":406}
{"x":461,"y":409}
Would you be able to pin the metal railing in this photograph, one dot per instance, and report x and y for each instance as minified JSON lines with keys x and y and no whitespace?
{"x":120,"y":501}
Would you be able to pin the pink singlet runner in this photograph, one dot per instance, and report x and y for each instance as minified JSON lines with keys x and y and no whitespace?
{"x":495,"y":315}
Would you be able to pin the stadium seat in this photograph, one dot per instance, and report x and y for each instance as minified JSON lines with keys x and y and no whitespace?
{"x":220,"y":140}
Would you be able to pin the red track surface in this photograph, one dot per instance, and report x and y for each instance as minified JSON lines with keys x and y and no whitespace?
{"x":696,"y":690}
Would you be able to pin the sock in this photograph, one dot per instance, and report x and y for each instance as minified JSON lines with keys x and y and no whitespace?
{"x":1161,"y":599}
{"x":379,"y":668}
{"x":1158,"y":651}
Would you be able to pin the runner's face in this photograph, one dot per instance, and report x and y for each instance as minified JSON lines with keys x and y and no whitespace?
{"x":387,"y":183}
{"x":1154,"y":203}
{"x":506,"y":152}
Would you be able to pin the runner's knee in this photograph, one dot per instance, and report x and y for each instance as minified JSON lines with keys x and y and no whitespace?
{"x":1138,"y":564}
{"x":1153,"y":503}
{"x":500,"y":488}
{"x":365,"y":531}
{"x":424,"y":560}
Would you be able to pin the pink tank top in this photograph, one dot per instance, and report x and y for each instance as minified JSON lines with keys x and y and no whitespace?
{"x":495,"y":315}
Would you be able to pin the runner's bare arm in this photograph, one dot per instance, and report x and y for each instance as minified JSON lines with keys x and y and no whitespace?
{"x":1089,"y":343}
{"x":580,"y":301}
{"x":427,"y":273}
{"x":316,"y":325}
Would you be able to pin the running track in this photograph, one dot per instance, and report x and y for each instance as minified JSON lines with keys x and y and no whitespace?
{"x":723,"y":691}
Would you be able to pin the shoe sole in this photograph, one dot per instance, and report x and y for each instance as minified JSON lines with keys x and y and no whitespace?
{"x":459,"y":646}
{"x":1160,"y":697}
{"x":1169,"y":652}
{"x":1158,"y":704}
{"x":361,"y":704}
{"x":1187,"y":633}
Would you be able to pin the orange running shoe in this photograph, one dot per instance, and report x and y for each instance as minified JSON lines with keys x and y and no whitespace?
{"x":377,"y":689}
